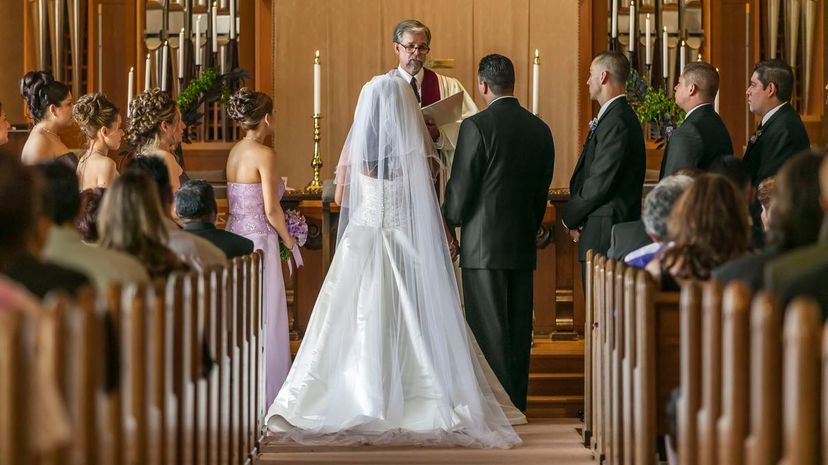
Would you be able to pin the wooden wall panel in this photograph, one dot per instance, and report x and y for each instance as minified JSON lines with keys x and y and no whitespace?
{"x":119,"y":53}
{"x":11,"y":32}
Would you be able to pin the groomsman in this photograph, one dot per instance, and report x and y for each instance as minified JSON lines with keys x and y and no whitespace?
{"x":497,"y":195}
{"x":606,"y":186}
{"x":702,"y":138}
{"x":781,"y":133}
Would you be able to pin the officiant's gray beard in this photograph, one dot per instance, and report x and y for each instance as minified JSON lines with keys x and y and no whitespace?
{"x":414,"y":66}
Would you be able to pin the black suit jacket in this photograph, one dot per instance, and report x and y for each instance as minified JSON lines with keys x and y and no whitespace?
{"x":627,"y":237}
{"x":231,"y":244}
{"x":499,"y":186}
{"x":40,"y":278}
{"x":697,"y":143}
{"x":782,"y":137}
{"x":749,"y":269}
{"x":606,"y":186}
{"x":812,"y":284}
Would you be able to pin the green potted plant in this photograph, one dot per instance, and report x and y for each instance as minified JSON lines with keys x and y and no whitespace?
{"x":654,"y":108}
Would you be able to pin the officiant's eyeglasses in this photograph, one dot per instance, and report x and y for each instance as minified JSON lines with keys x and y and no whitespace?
{"x":410,"y":48}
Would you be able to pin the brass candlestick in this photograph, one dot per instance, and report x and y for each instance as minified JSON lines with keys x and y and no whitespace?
{"x":315,"y":186}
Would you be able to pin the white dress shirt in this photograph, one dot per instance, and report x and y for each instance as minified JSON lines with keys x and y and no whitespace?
{"x":694,"y":109}
{"x":771,"y":113}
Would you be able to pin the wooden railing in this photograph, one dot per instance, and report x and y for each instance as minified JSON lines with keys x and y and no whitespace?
{"x":172,"y":404}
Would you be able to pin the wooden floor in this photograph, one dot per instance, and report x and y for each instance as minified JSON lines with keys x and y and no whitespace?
{"x":545,"y":441}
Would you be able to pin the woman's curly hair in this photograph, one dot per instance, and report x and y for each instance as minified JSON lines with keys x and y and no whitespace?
{"x":149,"y":109}
{"x":93,"y":112}
{"x":248,"y":108}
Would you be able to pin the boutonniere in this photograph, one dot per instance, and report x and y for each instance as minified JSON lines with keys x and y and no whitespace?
{"x":593,"y":123}
{"x":755,"y":136}
{"x":668,"y":131}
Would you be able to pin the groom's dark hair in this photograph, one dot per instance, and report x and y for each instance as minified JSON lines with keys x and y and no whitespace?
{"x":498,"y":72}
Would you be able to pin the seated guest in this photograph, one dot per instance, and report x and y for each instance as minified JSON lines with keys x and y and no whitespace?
{"x":796,"y":218}
{"x":87,"y":221}
{"x":65,"y":246}
{"x":657,"y":208}
{"x":738,"y":171}
{"x":49,"y":105}
{"x":195,"y":203}
{"x":23,"y":233}
{"x":193,"y":250}
{"x":764,"y":194}
{"x":803,"y":270}
{"x":811,"y":283}
{"x":708,"y":226}
{"x":131,"y":221}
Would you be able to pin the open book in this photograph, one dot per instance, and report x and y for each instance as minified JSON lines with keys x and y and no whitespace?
{"x":445,"y":111}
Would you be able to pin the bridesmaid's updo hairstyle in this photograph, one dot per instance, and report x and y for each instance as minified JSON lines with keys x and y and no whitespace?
{"x":93,"y":112}
{"x":39,"y":89}
{"x":248,"y":108}
{"x":149,"y":109}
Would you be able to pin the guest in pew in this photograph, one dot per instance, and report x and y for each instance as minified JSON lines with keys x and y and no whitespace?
{"x":737,"y":171}
{"x":765,"y":194}
{"x":131,"y":221}
{"x":100,"y":123}
{"x":198,"y":253}
{"x":87,"y":220}
{"x":155,"y":129}
{"x":657,"y":208}
{"x":195,"y":203}
{"x":708,"y":226}
{"x":49,"y":103}
{"x":23,"y":234}
{"x":796,"y":218}
{"x":802,"y":271}
{"x":4,"y":126}
{"x":702,"y":138}
{"x":65,"y":246}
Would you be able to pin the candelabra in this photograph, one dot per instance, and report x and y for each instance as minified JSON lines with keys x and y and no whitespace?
{"x":315,"y":186}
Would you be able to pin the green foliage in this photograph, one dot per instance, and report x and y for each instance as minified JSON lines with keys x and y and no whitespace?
{"x":197,"y":87}
{"x":653,"y":106}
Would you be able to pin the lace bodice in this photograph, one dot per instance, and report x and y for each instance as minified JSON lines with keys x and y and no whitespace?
{"x":247,"y":210}
{"x":381,"y":203}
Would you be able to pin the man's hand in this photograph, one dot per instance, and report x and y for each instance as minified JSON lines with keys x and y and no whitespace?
{"x":433,"y":130}
{"x":575,"y":234}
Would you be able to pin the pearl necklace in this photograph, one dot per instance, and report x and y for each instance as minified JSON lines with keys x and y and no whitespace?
{"x":44,"y":129}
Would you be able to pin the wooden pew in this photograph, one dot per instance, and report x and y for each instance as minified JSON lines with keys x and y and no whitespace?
{"x":588,"y":359}
{"x":764,"y":443}
{"x":801,"y":383}
{"x":599,"y":343}
{"x":657,"y":371}
{"x":135,"y":372}
{"x":615,"y":281}
{"x":16,"y":355}
{"x":732,"y":426}
{"x":628,"y":366}
{"x":607,"y":357}
{"x":711,"y":367}
{"x":690,"y":309}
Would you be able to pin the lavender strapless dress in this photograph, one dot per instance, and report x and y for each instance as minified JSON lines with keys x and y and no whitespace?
{"x":247,"y":218}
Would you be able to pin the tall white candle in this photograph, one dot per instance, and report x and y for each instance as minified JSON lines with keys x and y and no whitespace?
{"x":215,"y":28}
{"x":222,"y":58}
{"x":197,"y":47}
{"x":614,"y":19}
{"x":664,"y":54}
{"x":181,"y":54}
{"x":232,"y":19}
{"x":633,"y":32}
{"x":317,"y":84}
{"x":130,"y":86}
{"x":147,"y":70}
{"x":682,"y":56}
{"x":164,"y":58}
{"x":100,"y":46}
{"x":716,"y":101}
{"x":535,"y":82}
{"x":648,"y":58}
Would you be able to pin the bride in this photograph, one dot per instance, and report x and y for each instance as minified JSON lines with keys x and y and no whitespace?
{"x":387,"y":357}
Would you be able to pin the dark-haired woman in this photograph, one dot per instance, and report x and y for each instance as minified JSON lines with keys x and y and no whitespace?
{"x":49,"y":103}
{"x":254,"y":190}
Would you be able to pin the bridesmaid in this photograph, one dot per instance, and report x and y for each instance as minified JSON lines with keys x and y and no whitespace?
{"x":50,"y":107}
{"x":4,"y":126}
{"x":155,"y":129}
{"x":99,"y":121}
{"x":254,"y":190}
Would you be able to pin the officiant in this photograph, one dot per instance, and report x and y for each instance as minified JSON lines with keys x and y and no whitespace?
{"x":412,"y":42}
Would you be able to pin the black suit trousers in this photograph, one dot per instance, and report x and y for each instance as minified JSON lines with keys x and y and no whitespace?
{"x":499,"y":312}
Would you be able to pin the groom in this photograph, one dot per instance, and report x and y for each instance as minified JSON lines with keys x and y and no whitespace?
{"x":497,"y":196}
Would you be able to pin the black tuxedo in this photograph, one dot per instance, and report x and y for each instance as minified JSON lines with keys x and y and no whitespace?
{"x":627,"y":237}
{"x":697,"y":143}
{"x":810,"y":284}
{"x":749,"y":269}
{"x":606,"y":186}
{"x":497,"y":195}
{"x":231,"y":244}
{"x":782,"y":137}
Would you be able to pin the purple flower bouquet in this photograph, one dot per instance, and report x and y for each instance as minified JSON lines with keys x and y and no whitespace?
{"x":297,"y":227}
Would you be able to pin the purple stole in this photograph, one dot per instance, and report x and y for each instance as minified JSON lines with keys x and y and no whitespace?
{"x":429,"y":89}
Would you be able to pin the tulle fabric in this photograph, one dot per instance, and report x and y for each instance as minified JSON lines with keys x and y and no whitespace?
{"x":387,"y":358}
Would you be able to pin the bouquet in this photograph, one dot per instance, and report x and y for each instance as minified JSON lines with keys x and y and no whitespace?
{"x":297,"y":227}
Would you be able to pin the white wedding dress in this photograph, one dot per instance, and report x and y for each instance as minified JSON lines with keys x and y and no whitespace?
{"x":387,"y":357}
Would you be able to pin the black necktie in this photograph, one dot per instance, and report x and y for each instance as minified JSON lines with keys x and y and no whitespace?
{"x":416,"y":92}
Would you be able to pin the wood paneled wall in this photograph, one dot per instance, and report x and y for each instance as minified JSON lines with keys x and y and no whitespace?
{"x":11,"y":31}
{"x":354,"y":38}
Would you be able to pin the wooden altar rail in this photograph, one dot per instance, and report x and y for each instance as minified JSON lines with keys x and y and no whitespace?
{"x":750,"y":381}
{"x":170,"y":406}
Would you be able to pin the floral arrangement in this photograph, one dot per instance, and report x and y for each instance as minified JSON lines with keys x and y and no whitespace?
{"x":210,"y":87}
{"x":654,"y":107}
{"x":297,"y":227}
